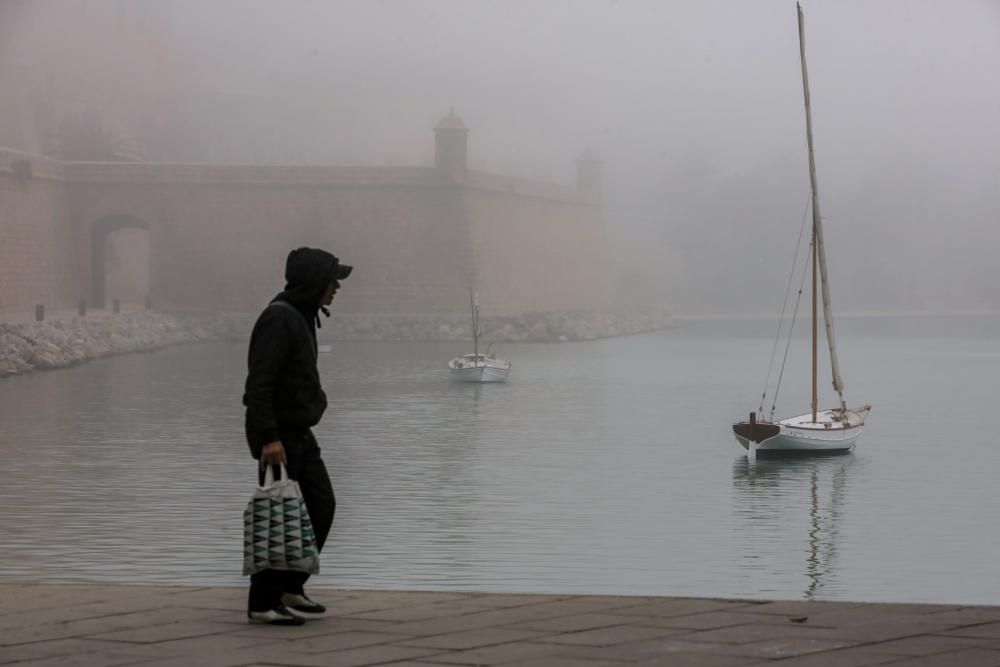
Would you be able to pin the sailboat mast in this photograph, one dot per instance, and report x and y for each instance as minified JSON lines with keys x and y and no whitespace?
{"x":474,"y":299}
{"x":815,"y":331}
{"x":818,"y":247}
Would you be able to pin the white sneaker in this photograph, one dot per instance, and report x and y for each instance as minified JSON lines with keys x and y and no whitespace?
{"x":277,"y":616}
{"x":300,"y":604}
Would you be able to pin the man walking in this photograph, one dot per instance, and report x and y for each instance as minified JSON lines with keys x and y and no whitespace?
{"x":283,"y":400}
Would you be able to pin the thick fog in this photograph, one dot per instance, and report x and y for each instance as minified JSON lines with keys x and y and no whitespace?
{"x":695,"y":106}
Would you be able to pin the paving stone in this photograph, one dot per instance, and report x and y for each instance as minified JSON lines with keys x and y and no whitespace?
{"x":193,"y":646}
{"x":702,"y":621}
{"x":555,"y":661}
{"x":330,"y":624}
{"x":23,"y":602}
{"x":585,"y":604}
{"x":972,"y":657}
{"x":468,"y":639}
{"x":58,"y":647}
{"x":697,"y":660}
{"x":209,"y":598}
{"x":339,"y":624}
{"x":162,"y":633}
{"x":612,"y":636}
{"x":314,"y":628}
{"x":985,"y":630}
{"x":752,"y":632}
{"x":341,"y":640}
{"x":483,"y":619}
{"x":927,"y":645}
{"x":857,"y":615}
{"x":496,"y":655}
{"x":572,"y":623}
{"x":420,"y":612}
{"x":679,"y":607}
{"x":497,"y":600}
{"x":783,"y":647}
{"x":108,"y":659}
{"x":234,"y":658}
{"x":42,"y":616}
{"x":55,"y":629}
{"x":283,"y":654}
{"x":160,"y":616}
{"x":795,"y":607}
{"x":364,"y":606}
{"x":663,"y":646}
{"x":164,"y":626}
{"x":765,"y":649}
{"x":894,"y":630}
{"x":872,"y":631}
{"x":368,"y":655}
{"x":860,"y":656}
{"x":965,"y":615}
{"x":390,"y":599}
{"x":903,"y":608}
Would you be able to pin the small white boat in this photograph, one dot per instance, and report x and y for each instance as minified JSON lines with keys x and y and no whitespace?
{"x":818,"y":431}
{"x":478,"y":367}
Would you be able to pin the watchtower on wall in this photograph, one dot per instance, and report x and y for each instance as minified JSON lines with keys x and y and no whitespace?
{"x":451,"y":147}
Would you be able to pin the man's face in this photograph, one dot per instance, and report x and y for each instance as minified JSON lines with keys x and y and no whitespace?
{"x":331,"y":289}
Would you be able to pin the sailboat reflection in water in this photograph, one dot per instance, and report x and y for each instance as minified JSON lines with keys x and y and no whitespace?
{"x":772,"y":503}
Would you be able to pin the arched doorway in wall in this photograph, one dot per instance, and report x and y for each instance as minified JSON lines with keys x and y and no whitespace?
{"x":119,"y":260}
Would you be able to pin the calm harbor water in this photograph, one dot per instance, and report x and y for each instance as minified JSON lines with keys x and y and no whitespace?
{"x":603,"y":467}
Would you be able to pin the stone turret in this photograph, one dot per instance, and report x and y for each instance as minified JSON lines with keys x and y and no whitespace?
{"x":451,"y":146}
{"x":590,"y":173}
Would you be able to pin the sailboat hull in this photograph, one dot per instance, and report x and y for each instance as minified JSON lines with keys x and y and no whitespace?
{"x":490,"y":370}
{"x":801,"y":434}
{"x":790,"y":442}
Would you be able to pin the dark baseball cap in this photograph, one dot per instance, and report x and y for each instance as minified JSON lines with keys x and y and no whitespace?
{"x":341,"y":271}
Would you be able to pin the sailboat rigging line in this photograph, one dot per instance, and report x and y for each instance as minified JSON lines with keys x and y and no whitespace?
{"x":784,"y":305}
{"x":791,"y":327}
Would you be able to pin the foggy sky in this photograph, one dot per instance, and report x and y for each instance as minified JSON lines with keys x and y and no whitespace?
{"x":696,"y":107}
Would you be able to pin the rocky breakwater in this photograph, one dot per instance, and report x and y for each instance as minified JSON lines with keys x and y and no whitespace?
{"x":27,"y":346}
{"x":528,"y":328}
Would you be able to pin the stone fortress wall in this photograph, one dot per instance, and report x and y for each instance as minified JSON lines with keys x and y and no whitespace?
{"x":38,"y":258}
{"x":420,"y":237}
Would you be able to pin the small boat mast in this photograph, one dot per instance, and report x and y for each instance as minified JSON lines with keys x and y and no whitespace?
{"x":474,"y":302}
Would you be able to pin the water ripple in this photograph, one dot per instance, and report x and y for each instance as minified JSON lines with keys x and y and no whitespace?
{"x":603,"y":467}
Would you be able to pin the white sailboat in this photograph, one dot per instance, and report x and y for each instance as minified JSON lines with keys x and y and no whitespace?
{"x":817,"y":431}
{"x":478,"y":367}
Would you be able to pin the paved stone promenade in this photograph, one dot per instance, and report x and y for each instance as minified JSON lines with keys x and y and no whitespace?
{"x":67,"y":625}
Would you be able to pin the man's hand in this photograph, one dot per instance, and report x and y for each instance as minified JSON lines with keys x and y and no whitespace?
{"x":272,"y":454}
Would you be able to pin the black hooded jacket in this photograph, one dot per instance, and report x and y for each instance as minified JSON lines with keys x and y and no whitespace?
{"x":283,"y":389}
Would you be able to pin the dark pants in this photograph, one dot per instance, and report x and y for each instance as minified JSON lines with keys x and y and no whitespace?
{"x":306,"y":467}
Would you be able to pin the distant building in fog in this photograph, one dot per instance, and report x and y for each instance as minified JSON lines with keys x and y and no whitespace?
{"x":89,"y":86}
{"x":216,"y":235}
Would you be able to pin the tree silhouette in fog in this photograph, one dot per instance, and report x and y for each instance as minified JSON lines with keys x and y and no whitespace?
{"x":85,"y":136}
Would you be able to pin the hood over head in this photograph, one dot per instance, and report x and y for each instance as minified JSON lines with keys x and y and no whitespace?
{"x":308,"y":272}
